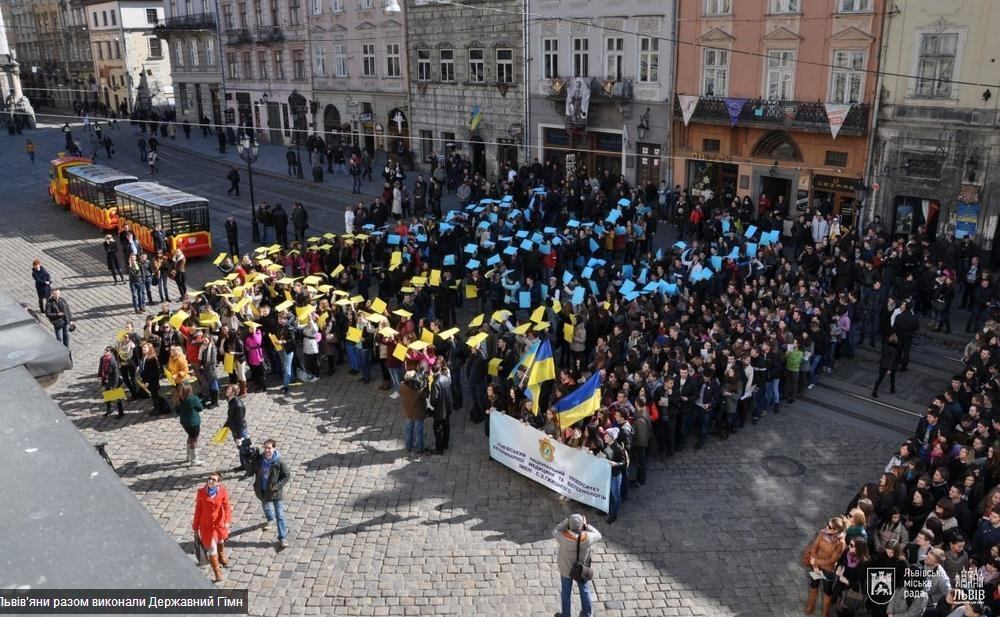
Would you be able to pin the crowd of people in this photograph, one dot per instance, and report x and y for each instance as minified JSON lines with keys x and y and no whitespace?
{"x":711,"y":334}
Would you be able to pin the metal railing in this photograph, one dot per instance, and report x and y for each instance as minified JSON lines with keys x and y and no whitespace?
{"x":800,"y":115}
{"x":238,"y":36}
{"x":268,"y":35}
{"x":199,"y":21}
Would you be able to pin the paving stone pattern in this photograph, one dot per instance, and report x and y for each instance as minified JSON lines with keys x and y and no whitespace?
{"x":374,"y":533}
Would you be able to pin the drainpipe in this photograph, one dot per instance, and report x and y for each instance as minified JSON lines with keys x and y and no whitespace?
{"x":221,"y":59}
{"x":669,"y":150}
{"x":526,"y":129}
{"x":868,"y":212}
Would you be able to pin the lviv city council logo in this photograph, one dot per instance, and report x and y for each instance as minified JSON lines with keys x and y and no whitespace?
{"x":546,"y":450}
{"x":881,"y":585}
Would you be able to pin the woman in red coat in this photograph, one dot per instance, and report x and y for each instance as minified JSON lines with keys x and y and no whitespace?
{"x":212,"y":515}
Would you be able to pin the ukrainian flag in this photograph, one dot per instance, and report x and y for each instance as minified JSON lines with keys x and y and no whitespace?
{"x":581,"y":403}
{"x":526,"y":359}
{"x":544,"y":366}
{"x":476,"y":118}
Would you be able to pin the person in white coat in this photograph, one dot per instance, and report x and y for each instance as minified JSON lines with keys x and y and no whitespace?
{"x":349,"y":221}
{"x":819,"y":228}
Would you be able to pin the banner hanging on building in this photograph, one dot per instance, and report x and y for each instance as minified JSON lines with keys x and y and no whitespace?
{"x":836,"y":113}
{"x":735,"y":108}
{"x":689,"y":103}
{"x":574,"y":473}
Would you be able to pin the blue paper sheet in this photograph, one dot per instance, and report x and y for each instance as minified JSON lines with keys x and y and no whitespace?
{"x":484,"y":225}
{"x":632,"y":295}
{"x":473,"y":264}
{"x":669,"y":288}
{"x":627,"y":271}
{"x":651,"y":286}
{"x":624,"y":202}
{"x":471,"y":248}
{"x":734,"y":254}
{"x":627,"y":286}
{"x":680,"y":245}
{"x":716,"y":263}
{"x":524,"y":299}
{"x":594,"y":246}
{"x":573,"y":223}
{"x":578,"y":295}
{"x":643,"y":275}
{"x":444,"y":227}
{"x":613,"y":216}
{"x":752,"y":250}
{"x":510,"y":250}
{"x":593,"y":288}
{"x":493,"y":260}
{"x":751,"y":231}
{"x":526,"y":245}
{"x":725,"y":226}
{"x":449,"y":260}
{"x":587,"y":272}
{"x":537,"y":238}
{"x":394,"y":239}
{"x":544,"y":249}
{"x":567,"y":277}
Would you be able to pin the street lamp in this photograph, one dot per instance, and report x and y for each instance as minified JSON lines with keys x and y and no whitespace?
{"x":248,"y":149}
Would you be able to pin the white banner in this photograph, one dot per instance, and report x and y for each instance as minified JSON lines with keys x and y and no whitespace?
{"x":837,"y":113}
{"x":574,"y":473}
{"x":688,"y":104}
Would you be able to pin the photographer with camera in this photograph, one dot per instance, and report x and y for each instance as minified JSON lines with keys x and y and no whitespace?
{"x":576,"y":539}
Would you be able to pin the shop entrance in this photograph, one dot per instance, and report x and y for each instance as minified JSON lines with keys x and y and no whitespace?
{"x":478,"y":155}
{"x":909,"y":213}
{"x":774,"y":187}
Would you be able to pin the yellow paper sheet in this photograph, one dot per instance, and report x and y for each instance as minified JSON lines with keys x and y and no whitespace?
{"x":435,"y":278}
{"x":399,"y":352}
{"x":336,"y":271}
{"x":474,"y":341}
{"x":522,"y":329}
{"x":221,"y":435}
{"x":447,"y":334}
{"x":427,"y":336}
{"x":419,"y":345}
{"x":276,"y":342}
{"x":538,"y":315}
{"x":116,"y":394}
{"x":221,"y":258}
{"x":395,"y":260}
{"x":477,"y":321}
{"x":378,"y":305}
{"x":178,"y":318}
{"x":228,"y":361}
{"x":353,"y":335}
{"x":471,"y":292}
{"x":493,"y":369}
{"x":322,"y":319}
{"x":284,"y":306}
{"x":303,"y":313}
{"x":568,"y":332}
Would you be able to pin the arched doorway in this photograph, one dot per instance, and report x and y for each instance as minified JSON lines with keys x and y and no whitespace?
{"x":478,"y":155}
{"x":777,"y":181}
{"x":331,"y":123}
{"x":777,"y":145}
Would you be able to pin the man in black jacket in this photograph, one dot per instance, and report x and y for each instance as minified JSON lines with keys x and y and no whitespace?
{"x":279,"y":218}
{"x":236,"y":421}
{"x":233,"y":238}
{"x":234,"y":181}
{"x":300,"y":221}
{"x":905,"y":327}
{"x":59,"y":313}
{"x":271,"y":474}
{"x":683,"y":398}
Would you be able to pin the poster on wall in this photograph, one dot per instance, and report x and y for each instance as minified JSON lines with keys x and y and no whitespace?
{"x":967,"y":220}
{"x":578,"y":100}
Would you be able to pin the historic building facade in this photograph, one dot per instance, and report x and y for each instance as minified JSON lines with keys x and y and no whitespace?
{"x":360,"y":73}
{"x":937,"y":147}
{"x":467,"y":81}
{"x":777,"y":99}
{"x":191,"y":29}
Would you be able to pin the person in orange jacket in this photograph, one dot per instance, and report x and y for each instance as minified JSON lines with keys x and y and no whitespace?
{"x":212,"y":516}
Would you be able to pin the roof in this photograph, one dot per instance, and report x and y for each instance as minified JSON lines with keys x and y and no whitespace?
{"x":158,"y":194}
{"x":99,"y":174}
{"x":24,"y":341}
{"x":62,"y":160}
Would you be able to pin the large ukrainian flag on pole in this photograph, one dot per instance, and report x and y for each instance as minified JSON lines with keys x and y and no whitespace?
{"x":581,"y":403}
{"x":542,"y":369}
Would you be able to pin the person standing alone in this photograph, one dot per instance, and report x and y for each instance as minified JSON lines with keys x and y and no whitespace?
{"x":234,"y":181}
{"x":270,"y":476}
{"x":233,"y":238}
{"x":576,"y":539}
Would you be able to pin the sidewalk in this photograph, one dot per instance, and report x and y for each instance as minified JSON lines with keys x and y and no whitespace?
{"x":271,"y":162}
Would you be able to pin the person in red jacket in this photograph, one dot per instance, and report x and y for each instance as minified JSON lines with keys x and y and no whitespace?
{"x":212,"y":515}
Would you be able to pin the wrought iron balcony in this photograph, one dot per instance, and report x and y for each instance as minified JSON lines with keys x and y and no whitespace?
{"x":269,"y":35}
{"x":200,"y":21}
{"x":601,"y":90}
{"x":238,"y":36}
{"x":796,"y":115}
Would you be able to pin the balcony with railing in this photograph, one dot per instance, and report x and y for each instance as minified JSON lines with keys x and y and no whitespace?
{"x":269,"y":35}
{"x":795,"y":115}
{"x":601,"y":90}
{"x":200,"y":21}
{"x":238,"y":36}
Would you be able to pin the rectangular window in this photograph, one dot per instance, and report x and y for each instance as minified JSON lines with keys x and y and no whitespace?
{"x":118,"y":50}
{"x":854,"y":6}
{"x":715,"y":72}
{"x":835,"y":159}
{"x":298,"y":64}
{"x":275,"y":16}
{"x":155,"y":48}
{"x":780,"y":75}
{"x":227,"y":16}
{"x":368,"y":60}
{"x":104,"y":17}
{"x":581,"y":57}
{"x":614,"y":57}
{"x":392,"y":60}
{"x":100,"y":52}
{"x":550,"y":58}
{"x":178,"y":54}
{"x":477,"y":65}
{"x":279,"y":64}
{"x":293,"y":13}
{"x":194,"y":52}
{"x":150,"y":16}
{"x":649,"y":59}
{"x":258,"y":14}
{"x":231,"y":68}
{"x":337,"y":6}
{"x":319,"y":61}
{"x":247,"y":66}
{"x":847,"y":76}
{"x":785,"y":6}
{"x":423,"y":65}
{"x":114,"y":18}
{"x":340,"y":60}
{"x":210,"y":51}
{"x":317,"y":7}
{"x":936,"y":65}
{"x":262,"y":65}
{"x":718,"y":7}
{"x":711,"y":145}
{"x":365,"y":5}
{"x":95,"y":19}
{"x":244,"y":19}
{"x":505,"y":66}
{"x":447,"y":65}
{"x":426,"y":144}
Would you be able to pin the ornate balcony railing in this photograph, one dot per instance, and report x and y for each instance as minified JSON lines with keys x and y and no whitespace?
{"x":200,"y":21}
{"x":601,"y":90}
{"x":797,"y":115}
{"x":269,"y":35}
{"x":238,"y":36}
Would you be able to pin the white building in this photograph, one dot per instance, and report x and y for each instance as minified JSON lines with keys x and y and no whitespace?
{"x":132,"y":64}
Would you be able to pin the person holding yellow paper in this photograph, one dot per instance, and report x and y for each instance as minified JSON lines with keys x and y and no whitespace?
{"x":188,"y":407}
{"x":111,"y":381}
{"x":286,"y":327}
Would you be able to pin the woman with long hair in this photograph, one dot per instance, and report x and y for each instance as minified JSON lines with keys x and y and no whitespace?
{"x":849,"y":575}
{"x":821,"y":557}
{"x":213,"y":513}
{"x":188,"y":407}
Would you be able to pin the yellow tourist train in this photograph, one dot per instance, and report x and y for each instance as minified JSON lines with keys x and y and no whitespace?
{"x":58,"y":185}
{"x":144,"y":206}
{"x":92,"y":194}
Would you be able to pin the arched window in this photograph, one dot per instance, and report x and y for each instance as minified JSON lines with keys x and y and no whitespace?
{"x":777,"y":145}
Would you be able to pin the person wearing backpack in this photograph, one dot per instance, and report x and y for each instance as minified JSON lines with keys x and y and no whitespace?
{"x":576,"y":539}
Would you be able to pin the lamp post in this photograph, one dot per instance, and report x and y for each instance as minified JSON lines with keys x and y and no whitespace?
{"x":861,"y":195}
{"x":248,"y":149}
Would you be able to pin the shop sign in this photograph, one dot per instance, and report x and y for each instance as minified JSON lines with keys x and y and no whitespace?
{"x":967,"y":219}
{"x":834,"y":184}
{"x":366,"y":116}
{"x":711,"y":156}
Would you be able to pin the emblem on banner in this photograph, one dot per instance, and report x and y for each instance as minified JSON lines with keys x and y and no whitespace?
{"x":881,"y":585}
{"x":546,"y":450}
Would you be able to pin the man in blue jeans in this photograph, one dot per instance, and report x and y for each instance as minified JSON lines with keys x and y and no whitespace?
{"x":271,"y":475}
{"x":287,"y":340}
{"x":576,"y":539}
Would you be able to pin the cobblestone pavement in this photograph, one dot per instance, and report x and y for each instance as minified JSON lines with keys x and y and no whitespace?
{"x":374,"y":533}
